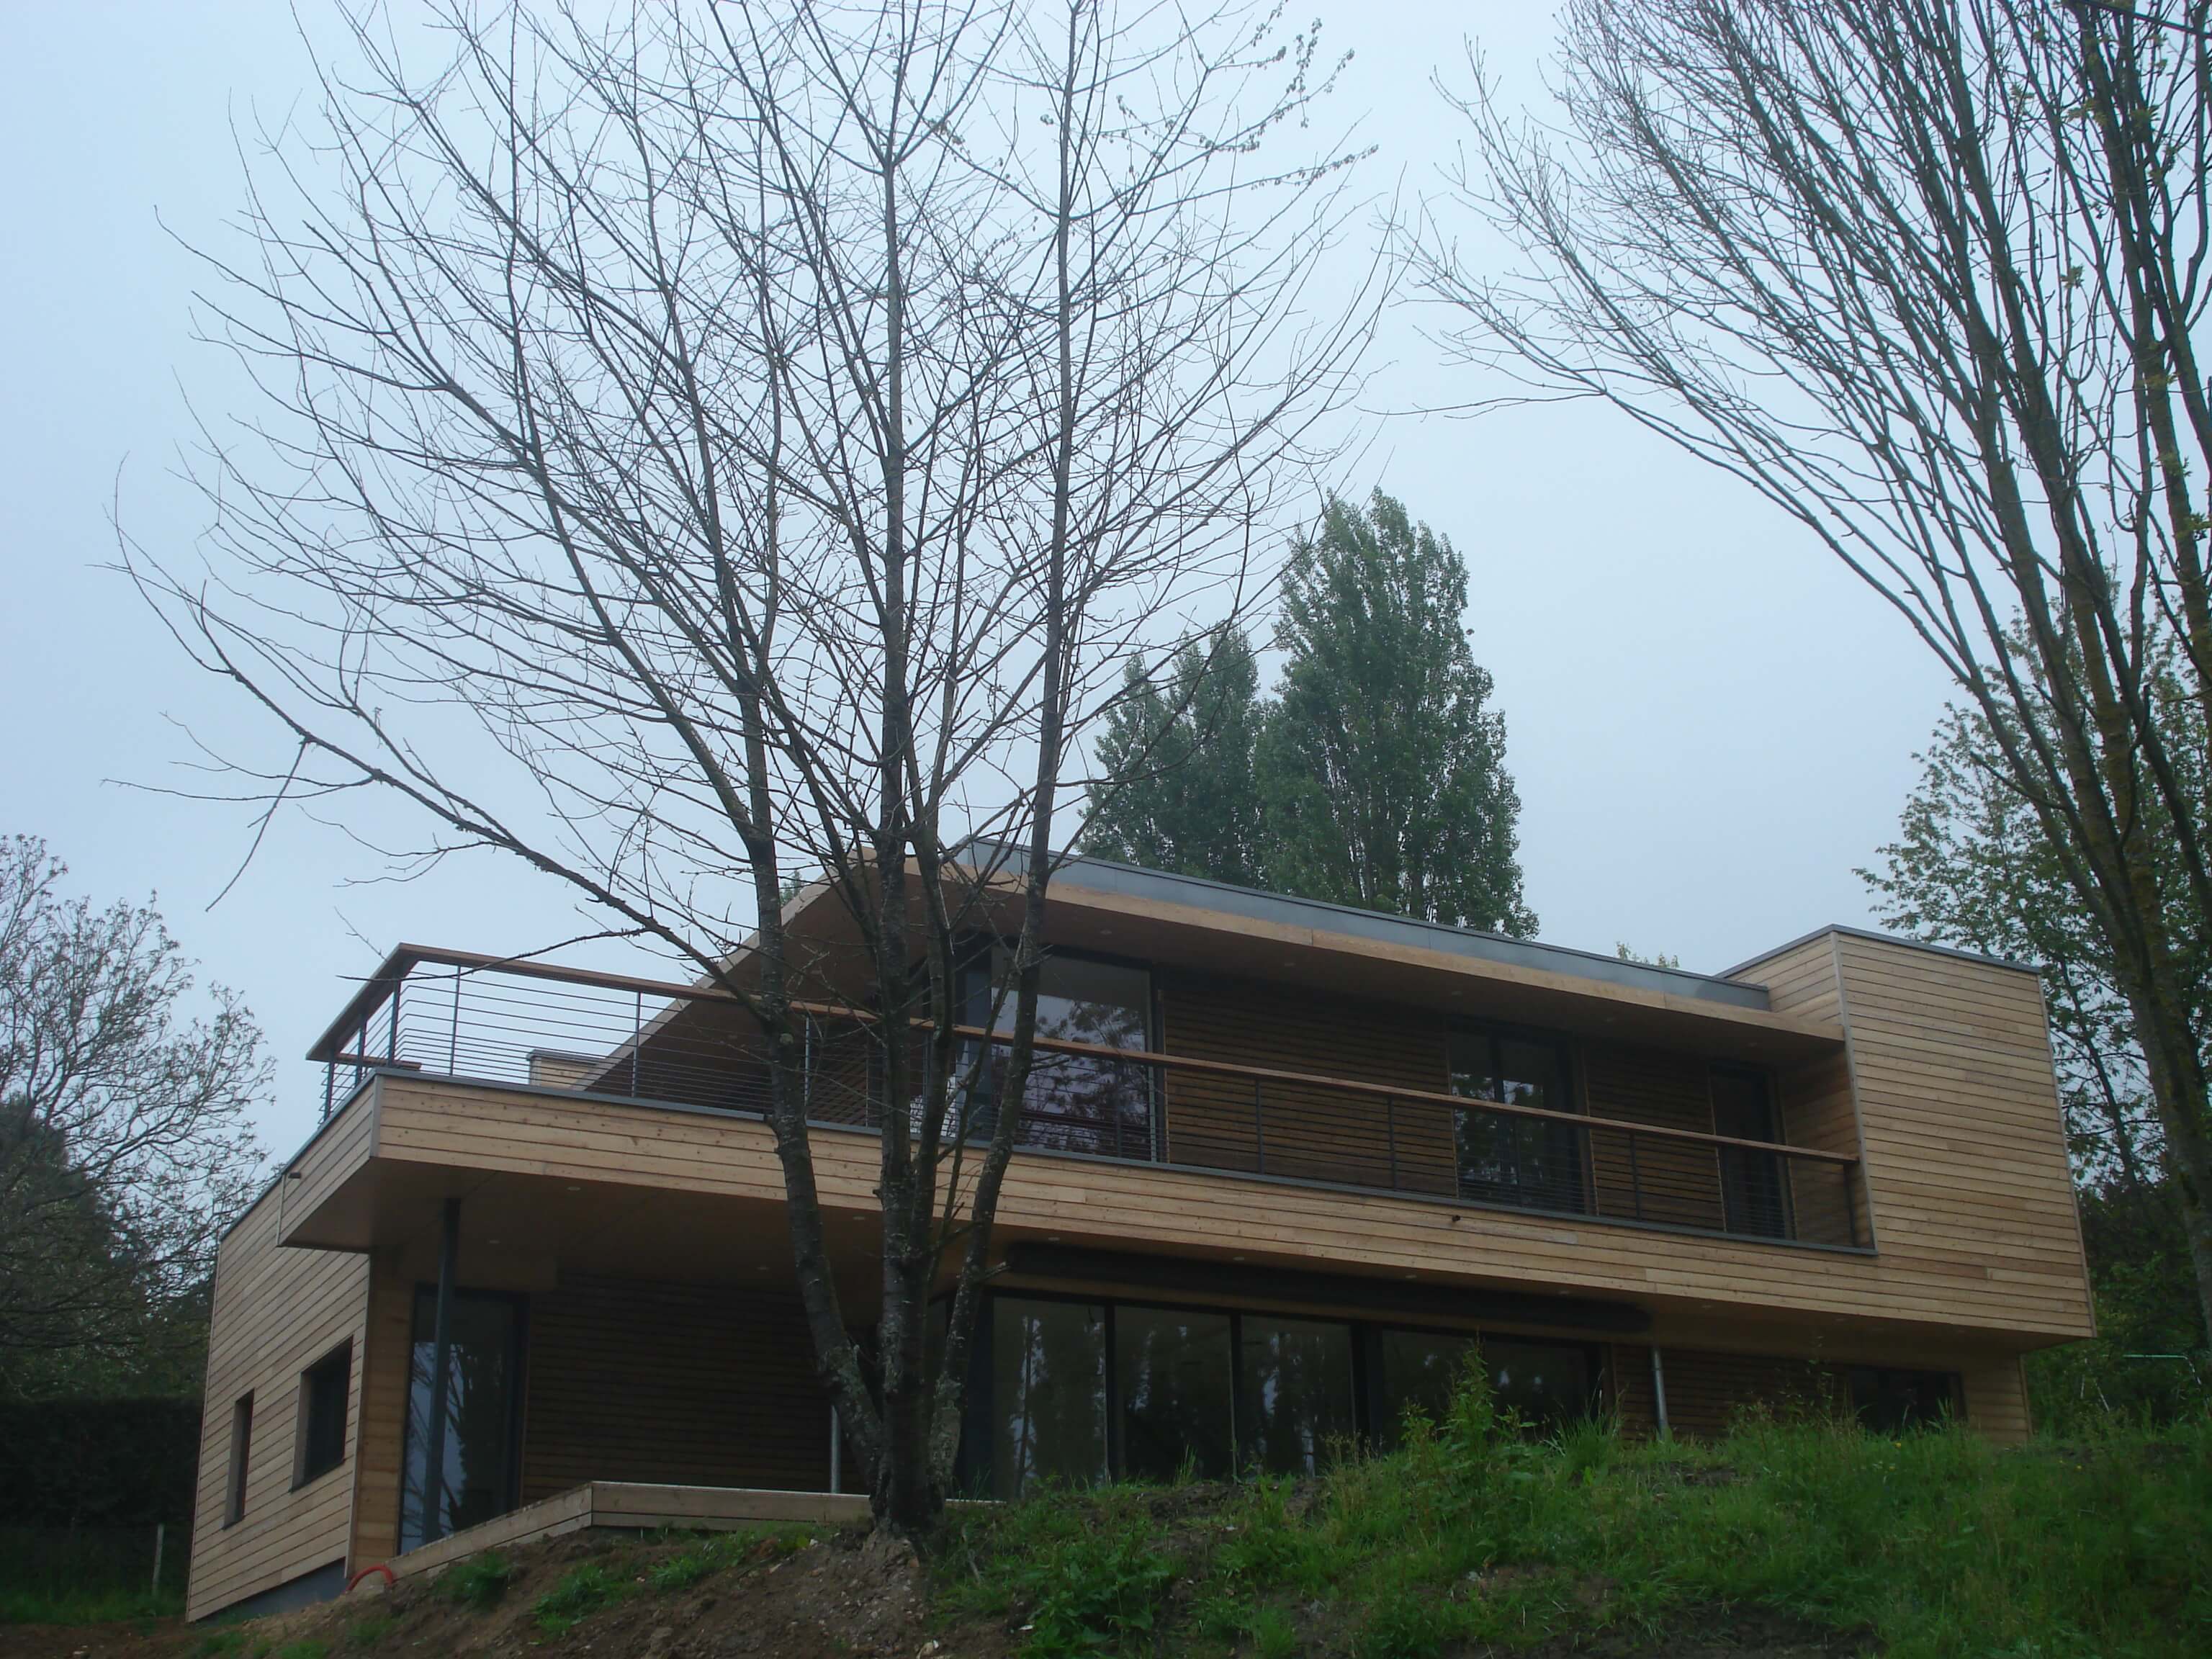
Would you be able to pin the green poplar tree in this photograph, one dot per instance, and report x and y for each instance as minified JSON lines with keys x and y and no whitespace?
{"x":1382,"y":766}
{"x":1176,"y":789}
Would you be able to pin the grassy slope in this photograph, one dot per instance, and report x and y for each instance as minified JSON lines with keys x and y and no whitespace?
{"x":1941,"y":1544}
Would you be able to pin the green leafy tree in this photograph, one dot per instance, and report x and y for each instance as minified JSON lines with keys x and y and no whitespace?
{"x":125,"y":1148}
{"x":1176,"y":788}
{"x":1382,"y":766}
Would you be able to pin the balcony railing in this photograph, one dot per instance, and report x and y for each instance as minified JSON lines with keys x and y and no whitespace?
{"x":478,"y":1018}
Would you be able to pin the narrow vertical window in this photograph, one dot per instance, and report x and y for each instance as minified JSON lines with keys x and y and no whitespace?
{"x":242,"y":1451}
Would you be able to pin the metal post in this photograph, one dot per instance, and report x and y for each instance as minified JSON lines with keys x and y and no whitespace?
{"x":1391,"y":1128}
{"x":1635,"y":1179}
{"x":837,"y":1452}
{"x":329,"y":1087}
{"x":636,"y":1041}
{"x":441,"y":1366}
{"x":161,"y":1528}
{"x":1659,"y":1391}
{"x":392,"y":1042}
{"x":453,"y":1031}
{"x":1259,"y":1132}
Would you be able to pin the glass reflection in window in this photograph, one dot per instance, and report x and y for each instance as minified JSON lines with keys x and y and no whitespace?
{"x":1048,"y":1376}
{"x":1091,"y":1103}
{"x":1173,"y":1371}
{"x":478,"y":1479}
{"x":1294,"y":1390}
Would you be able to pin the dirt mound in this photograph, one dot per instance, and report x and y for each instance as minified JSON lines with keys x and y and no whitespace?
{"x":794,"y":1596}
{"x":832,"y":1595}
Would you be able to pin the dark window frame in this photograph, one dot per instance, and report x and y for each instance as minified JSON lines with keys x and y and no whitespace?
{"x":973,"y":1468}
{"x":241,"y":1457}
{"x":311,"y":1461}
{"x":1566,"y":1057}
{"x":973,"y":981}
{"x":1735,"y":1166}
{"x":518,"y":1384}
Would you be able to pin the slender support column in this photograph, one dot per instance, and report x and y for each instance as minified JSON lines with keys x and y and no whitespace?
{"x":441,"y":1374}
{"x":1659,"y":1391}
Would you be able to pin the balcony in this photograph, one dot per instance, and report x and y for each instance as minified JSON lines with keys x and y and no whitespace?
{"x":477,"y":1019}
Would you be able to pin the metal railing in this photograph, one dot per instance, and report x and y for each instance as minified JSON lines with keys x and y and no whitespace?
{"x":478,"y":1018}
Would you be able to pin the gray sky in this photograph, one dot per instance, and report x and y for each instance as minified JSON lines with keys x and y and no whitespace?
{"x":1711,"y":722}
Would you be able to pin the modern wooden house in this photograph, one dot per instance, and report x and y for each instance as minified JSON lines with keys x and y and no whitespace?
{"x":1283,"y":1164}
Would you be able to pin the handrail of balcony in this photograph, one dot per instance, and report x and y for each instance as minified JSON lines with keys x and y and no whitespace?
{"x":583,"y":1030}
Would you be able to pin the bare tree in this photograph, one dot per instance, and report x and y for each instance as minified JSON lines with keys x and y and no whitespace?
{"x":744,"y":446}
{"x":125,"y":1149}
{"x":1929,"y":275}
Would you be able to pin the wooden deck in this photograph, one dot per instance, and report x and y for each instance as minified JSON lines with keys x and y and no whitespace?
{"x":629,"y":1506}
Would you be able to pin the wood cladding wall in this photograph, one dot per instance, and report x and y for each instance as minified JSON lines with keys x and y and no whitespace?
{"x":276,"y":1311}
{"x":674,"y":1384}
{"x":1964,"y":1172}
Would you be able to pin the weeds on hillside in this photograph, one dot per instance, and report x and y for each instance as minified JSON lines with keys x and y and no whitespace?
{"x":477,"y":1582}
{"x":581,"y":1592}
{"x":1941,"y":1543}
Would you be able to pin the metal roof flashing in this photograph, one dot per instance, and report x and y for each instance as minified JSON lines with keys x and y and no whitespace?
{"x":1252,"y":903}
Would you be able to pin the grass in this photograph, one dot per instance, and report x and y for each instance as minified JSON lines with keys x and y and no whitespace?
{"x":581,"y":1592}
{"x":477,"y":1582}
{"x":1942,"y":1544}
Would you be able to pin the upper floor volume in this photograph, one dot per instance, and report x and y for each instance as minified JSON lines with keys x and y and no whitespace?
{"x":1844,"y":1096}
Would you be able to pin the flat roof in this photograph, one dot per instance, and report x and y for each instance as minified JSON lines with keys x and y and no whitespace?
{"x":1905,"y":941}
{"x":1253,"y":903}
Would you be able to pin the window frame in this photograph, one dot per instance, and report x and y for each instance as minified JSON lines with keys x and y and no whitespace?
{"x":1567,"y":1054}
{"x":975,"y":976}
{"x":1785,"y":1199}
{"x":518,"y":1386}
{"x":975,"y":1475}
{"x":305,"y":1470}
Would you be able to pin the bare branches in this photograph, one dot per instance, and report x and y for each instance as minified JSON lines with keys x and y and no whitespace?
{"x":1930,"y":276}
{"x":743,"y":445}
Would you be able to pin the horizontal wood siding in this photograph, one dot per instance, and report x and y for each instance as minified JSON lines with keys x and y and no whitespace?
{"x":1680,"y":1182}
{"x":682,"y":1384}
{"x":1305,"y":1134}
{"x":383,"y":1410}
{"x":1171,"y":1210}
{"x":276,"y":1311}
{"x":1965,"y":1154}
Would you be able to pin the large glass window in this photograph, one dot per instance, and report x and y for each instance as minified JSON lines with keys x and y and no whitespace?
{"x":1532,"y":1163}
{"x":1891,"y":1402}
{"x":1547,"y":1384}
{"x":1753,"y":1193}
{"x":1091,"y":1104}
{"x":478,"y":1480}
{"x":1294,"y":1390}
{"x":1416,"y":1371}
{"x":1173,"y":1371}
{"x":1048,"y":1385}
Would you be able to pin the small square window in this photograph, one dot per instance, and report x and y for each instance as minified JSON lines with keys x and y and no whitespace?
{"x":324,"y":1387}
{"x":241,"y":1450}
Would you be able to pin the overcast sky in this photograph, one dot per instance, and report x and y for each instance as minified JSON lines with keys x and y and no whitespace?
{"x":1709,"y":721}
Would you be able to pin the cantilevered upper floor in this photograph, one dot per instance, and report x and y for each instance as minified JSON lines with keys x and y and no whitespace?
{"x":1850,"y":1131}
